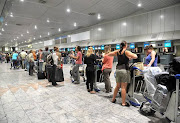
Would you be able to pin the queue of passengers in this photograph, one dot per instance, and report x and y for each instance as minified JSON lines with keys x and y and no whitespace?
{"x":90,"y":58}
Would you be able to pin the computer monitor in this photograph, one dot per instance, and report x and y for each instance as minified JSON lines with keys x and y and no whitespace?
{"x":102,"y":47}
{"x":132,"y":46}
{"x":117,"y":46}
{"x":146,"y":44}
{"x":167,"y":43}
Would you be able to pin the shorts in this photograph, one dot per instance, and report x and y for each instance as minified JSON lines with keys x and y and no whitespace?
{"x":122,"y":76}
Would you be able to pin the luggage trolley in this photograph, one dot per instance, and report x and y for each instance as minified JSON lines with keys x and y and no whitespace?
{"x":170,"y":111}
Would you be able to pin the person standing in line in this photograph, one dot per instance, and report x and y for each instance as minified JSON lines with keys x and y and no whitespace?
{"x":107,"y":68}
{"x":122,"y":71}
{"x":90,"y":60}
{"x":31,"y":62}
{"x":56,"y":56}
{"x":14,"y":59}
{"x":71,"y":59}
{"x":43,"y":57}
{"x":75,"y":70}
{"x":7,"y":58}
{"x":152,"y":57}
{"x":23,"y":56}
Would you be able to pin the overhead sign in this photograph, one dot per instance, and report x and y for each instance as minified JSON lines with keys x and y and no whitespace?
{"x":48,"y":43}
{"x":80,"y":36}
{"x":167,"y":43}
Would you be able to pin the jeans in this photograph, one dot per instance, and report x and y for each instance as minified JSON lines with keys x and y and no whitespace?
{"x":106,"y":73}
{"x":75,"y":73}
{"x":31,"y":66}
{"x":14,"y":63}
{"x":90,"y":79}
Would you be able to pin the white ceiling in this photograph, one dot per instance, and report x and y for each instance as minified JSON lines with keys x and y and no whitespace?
{"x":30,"y":13}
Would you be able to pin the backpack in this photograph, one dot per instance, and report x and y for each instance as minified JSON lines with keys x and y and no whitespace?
{"x":50,"y":59}
{"x":174,"y":66}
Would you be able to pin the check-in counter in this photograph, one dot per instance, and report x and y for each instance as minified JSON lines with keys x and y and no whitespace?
{"x":166,"y":59}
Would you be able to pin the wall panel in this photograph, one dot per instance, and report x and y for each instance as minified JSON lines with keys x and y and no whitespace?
{"x":156,"y":21}
{"x":169,"y":19}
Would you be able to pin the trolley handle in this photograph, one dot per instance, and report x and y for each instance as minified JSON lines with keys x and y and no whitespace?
{"x":135,"y":68}
{"x":177,"y":76}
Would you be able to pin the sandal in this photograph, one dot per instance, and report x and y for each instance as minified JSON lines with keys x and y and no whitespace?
{"x":127,"y":105}
{"x":114,"y":101}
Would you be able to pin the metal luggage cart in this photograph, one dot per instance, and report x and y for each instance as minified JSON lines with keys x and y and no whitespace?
{"x":82,"y":72}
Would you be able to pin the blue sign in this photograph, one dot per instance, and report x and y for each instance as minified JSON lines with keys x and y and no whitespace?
{"x":132,"y":46}
{"x":102,"y":47}
{"x":68,"y":49}
{"x":93,"y":48}
{"x":117,"y":46}
{"x":167,"y":43}
{"x":86,"y":48}
{"x":73,"y":49}
{"x":146,"y":44}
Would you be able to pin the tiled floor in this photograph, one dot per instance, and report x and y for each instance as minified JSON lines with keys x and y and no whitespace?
{"x":24,"y":99}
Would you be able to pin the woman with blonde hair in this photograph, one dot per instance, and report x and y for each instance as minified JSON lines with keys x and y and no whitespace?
{"x":107,"y":68}
{"x":90,"y":59}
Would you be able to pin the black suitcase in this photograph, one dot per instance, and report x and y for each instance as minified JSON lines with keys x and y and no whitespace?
{"x":40,"y":73}
{"x":59,"y":75}
{"x":49,"y":70}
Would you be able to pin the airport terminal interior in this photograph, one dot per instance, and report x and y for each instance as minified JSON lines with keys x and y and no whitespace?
{"x":89,"y":61}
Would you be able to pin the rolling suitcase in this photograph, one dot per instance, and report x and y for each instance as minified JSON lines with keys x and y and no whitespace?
{"x":59,"y":75}
{"x":40,"y":73}
{"x":49,"y":70}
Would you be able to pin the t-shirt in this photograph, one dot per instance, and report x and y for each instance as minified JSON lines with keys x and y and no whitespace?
{"x":90,"y":61}
{"x":79,"y":60}
{"x":23,"y":55}
{"x":44,"y":55}
{"x":107,"y":62}
{"x":14,"y":57}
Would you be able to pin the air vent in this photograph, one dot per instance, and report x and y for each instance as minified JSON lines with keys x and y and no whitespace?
{"x":19,"y":24}
{"x":43,"y":1}
{"x":92,"y":13}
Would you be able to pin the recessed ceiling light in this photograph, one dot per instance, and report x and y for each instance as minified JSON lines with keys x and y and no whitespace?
{"x":99,"y":29}
{"x":40,"y":36}
{"x":75,"y":24}
{"x":34,"y":38}
{"x":69,"y":36}
{"x":124,"y":24}
{"x":11,"y":15}
{"x":35,"y":27}
{"x":27,"y":31}
{"x":17,"y":37}
{"x":40,"y":42}
{"x":139,"y":5}
{"x":3,"y":29}
{"x":22,"y":0}
{"x":99,"y":16}
{"x":48,"y":20}
{"x":5,"y":24}
{"x":162,"y":16}
{"x":68,"y":10}
{"x":25,"y":41}
{"x":59,"y":29}
{"x":21,"y":35}
{"x":48,"y":33}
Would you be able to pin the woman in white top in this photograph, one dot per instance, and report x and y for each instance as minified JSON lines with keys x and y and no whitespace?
{"x":56,"y":59}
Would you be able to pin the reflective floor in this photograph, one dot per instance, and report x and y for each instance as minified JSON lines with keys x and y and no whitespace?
{"x":25,"y":99}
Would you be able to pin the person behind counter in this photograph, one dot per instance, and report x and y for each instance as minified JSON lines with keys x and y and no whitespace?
{"x":152,"y":57}
{"x":122,"y":71}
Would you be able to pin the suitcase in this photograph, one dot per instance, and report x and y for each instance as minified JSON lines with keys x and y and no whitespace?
{"x":59,"y":75}
{"x":40,"y":73}
{"x":49,"y":70}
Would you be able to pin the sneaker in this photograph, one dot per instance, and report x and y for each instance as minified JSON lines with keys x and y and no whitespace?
{"x":72,"y":80}
{"x":97,"y":89}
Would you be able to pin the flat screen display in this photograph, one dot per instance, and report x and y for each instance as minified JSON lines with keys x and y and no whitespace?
{"x":102,"y":47}
{"x":117,"y":46}
{"x":93,"y":48}
{"x":132,"y":46}
{"x":146,"y":44}
{"x":86,"y":48}
{"x":167,"y":43}
{"x":73,"y":49}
